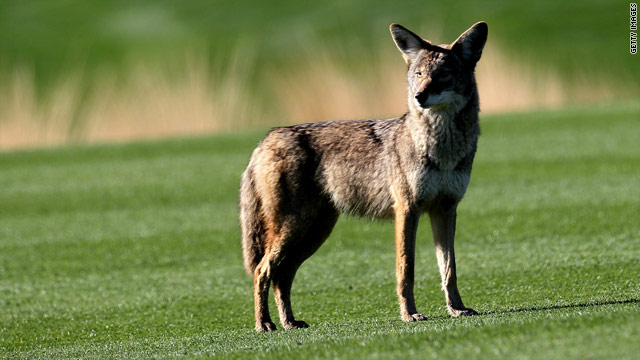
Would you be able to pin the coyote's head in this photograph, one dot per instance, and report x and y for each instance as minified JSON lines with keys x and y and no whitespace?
{"x":440,"y":76}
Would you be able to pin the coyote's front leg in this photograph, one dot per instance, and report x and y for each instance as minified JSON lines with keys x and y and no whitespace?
{"x":406,"y":227}
{"x":443,"y":225}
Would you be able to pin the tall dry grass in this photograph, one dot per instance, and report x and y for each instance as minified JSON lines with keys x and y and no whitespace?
{"x":149,"y":103}
{"x":323,"y":88}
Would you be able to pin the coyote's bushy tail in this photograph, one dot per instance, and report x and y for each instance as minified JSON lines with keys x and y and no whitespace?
{"x":251,"y":222}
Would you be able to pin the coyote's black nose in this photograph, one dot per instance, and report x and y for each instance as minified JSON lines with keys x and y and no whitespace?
{"x":422,"y":97}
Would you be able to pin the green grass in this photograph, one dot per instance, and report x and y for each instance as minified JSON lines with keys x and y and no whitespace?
{"x":132,"y":251}
{"x":56,"y":37}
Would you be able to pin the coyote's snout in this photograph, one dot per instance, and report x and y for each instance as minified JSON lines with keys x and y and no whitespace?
{"x":301,"y":177}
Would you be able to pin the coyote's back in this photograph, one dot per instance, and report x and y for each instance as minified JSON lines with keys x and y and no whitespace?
{"x":301,"y":177}
{"x":330,"y":162}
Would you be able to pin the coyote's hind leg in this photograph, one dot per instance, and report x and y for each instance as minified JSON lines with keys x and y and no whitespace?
{"x":297,"y":251}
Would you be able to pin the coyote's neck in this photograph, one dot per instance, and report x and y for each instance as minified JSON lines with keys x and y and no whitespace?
{"x":443,"y":137}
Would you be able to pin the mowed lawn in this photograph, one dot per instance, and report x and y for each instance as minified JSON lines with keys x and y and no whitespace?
{"x":133,"y":251}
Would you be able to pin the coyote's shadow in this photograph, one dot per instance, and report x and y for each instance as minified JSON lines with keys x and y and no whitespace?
{"x":565,"y":306}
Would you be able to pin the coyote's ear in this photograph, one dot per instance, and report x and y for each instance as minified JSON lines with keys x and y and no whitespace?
{"x":409,"y":43}
{"x":470,"y":44}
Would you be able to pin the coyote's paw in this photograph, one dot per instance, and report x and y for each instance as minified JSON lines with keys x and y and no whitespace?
{"x":461,"y":312}
{"x":413,"y":317}
{"x":295,"y":324}
{"x":265,"y":326}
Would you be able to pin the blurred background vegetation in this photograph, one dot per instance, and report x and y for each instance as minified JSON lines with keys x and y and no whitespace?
{"x":83,"y":71}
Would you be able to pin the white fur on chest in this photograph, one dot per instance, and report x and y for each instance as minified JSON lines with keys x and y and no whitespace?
{"x":431,"y":183}
{"x":444,"y":145}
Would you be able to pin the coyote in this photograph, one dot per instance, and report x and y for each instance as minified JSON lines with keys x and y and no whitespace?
{"x":301,"y":177}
